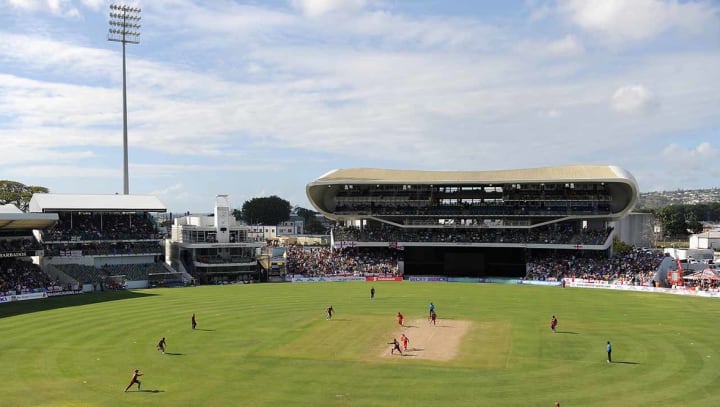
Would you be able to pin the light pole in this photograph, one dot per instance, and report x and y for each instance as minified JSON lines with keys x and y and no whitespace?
{"x":124,"y":28}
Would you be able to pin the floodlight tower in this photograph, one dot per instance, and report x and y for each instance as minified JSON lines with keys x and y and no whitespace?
{"x":124,"y":28}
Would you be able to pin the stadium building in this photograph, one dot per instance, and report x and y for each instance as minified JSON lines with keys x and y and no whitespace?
{"x":17,"y":239}
{"x":475,"y":224}
{"x":102,"y":241}
{"x":20,"y":251}
{"x":214,"y":248}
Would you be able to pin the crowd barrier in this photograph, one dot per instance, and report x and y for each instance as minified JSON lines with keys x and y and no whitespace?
{"x":427,"y":279}
{"x":301,"y":279}
{"x":486,"y":280}
{"x":23,"y":297}
{"x":680,"y":290}
{"x":51,"y":292}
{"x":383,"y":278}
{"x":482,"y":280}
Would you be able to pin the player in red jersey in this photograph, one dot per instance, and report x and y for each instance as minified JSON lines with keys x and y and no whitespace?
{"x":553,"y":323}
{"x":329,"y":311}
{"x":433,"y":317}
{"x":134,"y":380}
{"x":404,"y":339}
{"x":400,"y":318}
{"x":193,"y":322}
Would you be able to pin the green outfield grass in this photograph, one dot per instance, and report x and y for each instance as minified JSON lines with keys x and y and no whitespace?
{"x":270,"y":345}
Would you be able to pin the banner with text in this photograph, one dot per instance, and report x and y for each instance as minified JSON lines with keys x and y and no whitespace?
{"x":382,"y":278}
{"x":300,"y":279}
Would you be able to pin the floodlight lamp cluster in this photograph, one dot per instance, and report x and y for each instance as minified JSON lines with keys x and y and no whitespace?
{"x":124,"y":8}
{"x":125,"y":16}
{"x":124,"y":24}
{"x":124,"y":32}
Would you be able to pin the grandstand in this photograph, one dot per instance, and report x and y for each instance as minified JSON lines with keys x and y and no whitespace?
{"x":20,"y":251}
{"x":97,"y":237}
{"x":214,"y":248}
{"x":475,"y":223}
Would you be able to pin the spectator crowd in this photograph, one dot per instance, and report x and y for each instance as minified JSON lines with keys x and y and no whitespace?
{"x":323,"y":261}
{"x":636,"y":267}
{"x":20,"y":244}
{"x":21,"y":277}
{"x":562,"y":233}
{"x":102,"y":226}
{"x":102,"y":248}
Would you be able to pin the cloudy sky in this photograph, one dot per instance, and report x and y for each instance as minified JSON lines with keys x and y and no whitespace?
{"x":258,"y":98}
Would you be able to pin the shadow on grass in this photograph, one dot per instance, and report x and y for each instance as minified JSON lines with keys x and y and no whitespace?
{"x":567,"y":332}
{"x":174,"y":354}
{"x":204,"y":329}
{"x":626,"y":363}
{"x":149,"y":391}
{"x":45,"y":304}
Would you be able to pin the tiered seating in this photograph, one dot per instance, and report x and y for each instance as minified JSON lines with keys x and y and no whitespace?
{"x":324,"y":261}
{"x":637,"y":266}
{"x":82,"y":273}
{"x":93,"y":275}
{"x":103,"y":248}
{"x":19,"y":276}
{"x":551,"y":234}
{"x":19,"y":244}
{"x":133,"y":271}
{"x":106,"y":226}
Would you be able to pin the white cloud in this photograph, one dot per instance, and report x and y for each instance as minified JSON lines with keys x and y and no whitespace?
{"x":314,"y":8}
{"x":23,"y":153}
{"x":549,"y":114}
{"x":690,"y":166}
{"x":95,"y":4}
{"x":618,"y":21}
{"x":539,"y":12}
{"x":422,"y":32}
{"x":167,"y":170}
{"x":63,"y":8}
{"x":37,"y":53}
{"x":703,"y":151}
{"x":63,"y":171}
{"x":200,"y":22}
{"x":568,"y":46}
{"x":173,"y":192}
{"x":633,"y":99}
{"x":254,"y":69}
{"x":253,"y":85}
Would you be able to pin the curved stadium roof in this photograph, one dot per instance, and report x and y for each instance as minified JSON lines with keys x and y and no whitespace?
{"x":623,"y":185}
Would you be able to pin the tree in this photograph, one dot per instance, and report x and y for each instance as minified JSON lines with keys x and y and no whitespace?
{"x":692,"y":223}
{"x":672,"y":221}
{"x":266,"y":211}
{"x":312,"y":225}
{"x":19,"y":194}
{"x":621,"y":247}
